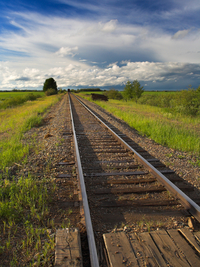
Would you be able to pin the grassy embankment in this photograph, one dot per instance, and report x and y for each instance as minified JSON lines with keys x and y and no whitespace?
{"x":14,"y":122}
{"x":24,"y":203}
{"x":169,"y":129}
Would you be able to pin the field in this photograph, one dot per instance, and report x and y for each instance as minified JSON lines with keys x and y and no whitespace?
{"x":170,"y":129}
{"x":6,"y":95}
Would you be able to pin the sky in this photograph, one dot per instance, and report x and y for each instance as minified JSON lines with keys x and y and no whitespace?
{"x":100,"y":44}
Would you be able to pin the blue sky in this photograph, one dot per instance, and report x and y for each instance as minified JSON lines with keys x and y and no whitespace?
{"x":100,"y":43}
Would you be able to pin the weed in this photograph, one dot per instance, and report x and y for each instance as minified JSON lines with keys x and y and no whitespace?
{"x":180,"y":157}
{"x":149,"y":224}
{"x":71,"y":195}
{"x":123,"y":225}
{"x":159,"y":224}
{"x":140,"y":224}
{"x":169,"y":155}
{"x":70,"y":211}
{"x":65,"y":223}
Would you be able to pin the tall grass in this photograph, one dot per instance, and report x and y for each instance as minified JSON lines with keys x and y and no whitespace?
{"x":173,"y":130}
{"x":17,"y":100}
{"x":14,"y":122}
{"x":24,"y":212}
{"x":24,"y":202}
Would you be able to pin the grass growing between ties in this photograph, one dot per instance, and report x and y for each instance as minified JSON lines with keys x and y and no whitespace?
{"x":24,"y":210}
{"x":14,"y":122}
{"x":173,"y":130}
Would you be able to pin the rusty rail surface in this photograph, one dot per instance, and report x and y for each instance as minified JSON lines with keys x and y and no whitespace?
{"x":90,"y":234}
{"x":187,"y":202}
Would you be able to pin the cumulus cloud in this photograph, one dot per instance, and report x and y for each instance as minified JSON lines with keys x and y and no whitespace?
{"x":76,"y":75}
{"x":180,"y":34}
{"x":144,"y":53}
{"x":109,"y":26}
{"x":67,"y":51}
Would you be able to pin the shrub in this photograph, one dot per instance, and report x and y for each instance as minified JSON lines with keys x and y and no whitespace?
{"x":51,"y":91}
{"x":113,"y":94}
{"x":186,"y":102}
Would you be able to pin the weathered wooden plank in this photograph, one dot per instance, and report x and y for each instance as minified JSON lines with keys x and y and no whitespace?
{"x":110,"y":151}
{"x":68,"y":248}
{"x":139,"y":252}
{"x":119,"y":250}
{"x":66,"y":163}
{"x":182,"y":244}
{"x":166,"y":171}
{"x":106,"y":145}
{"x":151,"y":252}
{"x":99,"y":167}
{"x":114,"y":161}
{"x":64,"y":175}
{"x":197,"y":235}
{"x":116,"y":173}
{"x":136,"y":190}
{"x":168,"y":248}
{"x":127,"y":181}
{"x":190,"y":238}
{"x":138,"y":203}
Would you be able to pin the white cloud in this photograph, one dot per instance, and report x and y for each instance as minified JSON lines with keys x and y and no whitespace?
{"x":67,"y":51}
{"x":180,"y":34}
{"x":109,"y":26}
{"x":51,"y":52}
{"x":76,"y":75}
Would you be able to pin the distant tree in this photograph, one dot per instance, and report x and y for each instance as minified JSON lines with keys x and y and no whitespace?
{"x":137,"y":90}
{"x":50,"y":84}
{"x":128,"y":91}
{"x":133,"y":90}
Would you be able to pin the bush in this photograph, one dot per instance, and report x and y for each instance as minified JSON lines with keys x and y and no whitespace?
{"x":51,"y":91}
{"x":185,"y":102}
{"x":113,"y":94}
{"x":188,"y":102}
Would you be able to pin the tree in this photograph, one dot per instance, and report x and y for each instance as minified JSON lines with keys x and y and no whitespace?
{"x":133,"y":90}
{"x":137,"y":90}
{"x":50,"y":84}
{"x":128,"y":91}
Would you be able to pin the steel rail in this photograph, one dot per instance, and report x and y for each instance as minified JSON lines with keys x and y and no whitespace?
{"x":90,"y":234}
{"x":187,"y":202}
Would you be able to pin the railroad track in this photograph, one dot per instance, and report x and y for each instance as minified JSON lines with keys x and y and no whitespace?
{"x":122,"y":185}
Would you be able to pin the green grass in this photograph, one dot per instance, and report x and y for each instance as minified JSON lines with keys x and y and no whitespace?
{"x":25,"y":202}
{"x":6,"y":95}
{"x":24,"y":212}
{"x":160,"y":92}
{"x":14,"y":122}
{"x":171,"y":130}
{"x":16,"y":99}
